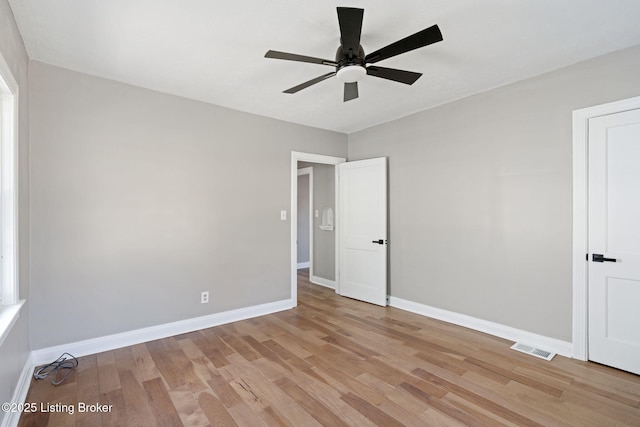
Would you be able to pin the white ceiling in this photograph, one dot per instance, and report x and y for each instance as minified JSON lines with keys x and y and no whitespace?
{"x":213,"y":51}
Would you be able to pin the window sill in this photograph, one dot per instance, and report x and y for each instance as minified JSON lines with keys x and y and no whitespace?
{"x":8,"y":316}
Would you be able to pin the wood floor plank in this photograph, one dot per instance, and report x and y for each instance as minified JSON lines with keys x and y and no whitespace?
{"x":188,"y":409}
{"x":139,"y":411}
{"x":314,"y":407}
{"x":516,"y":398}
{"x":215,"y":411}
{"x":117,"y":415}
{"x":241,"y":347}
{"x":175,"y":367}
{"x":443,"y":361}
{"x":477,"y":413}
{"x":107,"y":372}
{"x":606,"y":393}
{"x":553,"y":378}
{"x":342,"y":379}
{"x":608,"y":409}
{"x":372,"y":412}
{"x":160,"y":354}
{"x":64,"y":395}
{"x":244,"y":415}
{"x":409,"y":414}
{"x":165,"y":413}
{"x":514,"y":376}
{"x":549,"y":410}
{"x":87,"y":370}
{"x":89,"y":394}
{"x":296,"y":362}
{"x":144,"y":363}
{"x":214,"y":335}
{"x":212,"y":347}
{"x":432,"y":417}
{"x":441,"y":405}
{"x":272,"y":418}
{"x":201,"y":365}
{"x":337,"y":361}
{"x":331,"y":399}
{"x":285,"y":339}
{"x":265,"y":392}
{"x":494,"y":407}
{"x":38,"y":394}
{"x":224,"y":391}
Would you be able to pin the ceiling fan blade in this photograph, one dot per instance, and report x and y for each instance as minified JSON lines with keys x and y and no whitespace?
{"x":310,"y":82}
{"x":420,"y":39}
{"x":350,"y":20}
{"x":350,"y":91}
{"x":300,"y":58}
{"x":402,"y":76}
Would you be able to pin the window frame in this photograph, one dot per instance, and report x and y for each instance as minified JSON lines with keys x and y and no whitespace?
{"x":10,"y":303}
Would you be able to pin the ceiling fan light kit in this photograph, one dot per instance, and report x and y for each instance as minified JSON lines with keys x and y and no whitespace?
{"x":351,"y":73}
{"x":351,"y":64}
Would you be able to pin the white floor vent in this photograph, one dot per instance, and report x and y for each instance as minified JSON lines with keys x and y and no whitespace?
{"x":542,"y":354}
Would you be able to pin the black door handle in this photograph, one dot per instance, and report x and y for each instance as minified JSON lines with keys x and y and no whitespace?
{"x":601,"y":258}
{"x":380,"y":242}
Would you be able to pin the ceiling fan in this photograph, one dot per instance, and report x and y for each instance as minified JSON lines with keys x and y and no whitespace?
{"x":351,"y":63}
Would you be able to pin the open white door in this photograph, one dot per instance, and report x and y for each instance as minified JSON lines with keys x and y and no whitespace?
{"x":614,"y":240}
{"x":362,"y":230}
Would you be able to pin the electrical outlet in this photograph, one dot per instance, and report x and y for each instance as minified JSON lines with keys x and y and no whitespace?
{"x":204,"y":297}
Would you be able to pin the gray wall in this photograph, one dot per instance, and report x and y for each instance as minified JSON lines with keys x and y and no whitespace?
{"x":141,"y":200}
{"x":480,"y":195}
{"x":15,"y":349}
{"x":303,"y":219}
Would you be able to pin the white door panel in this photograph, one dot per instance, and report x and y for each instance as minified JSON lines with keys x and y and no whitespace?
{"x":623,"y":183}
{"x":614,"y":233}
{"x":362,"y":219}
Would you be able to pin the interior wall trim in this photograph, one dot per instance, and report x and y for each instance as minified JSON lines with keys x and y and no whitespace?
{"x":11,"y":418}
{"x":124,"y":339}
{"x":496,"y":329}
{"x":317,"y":280}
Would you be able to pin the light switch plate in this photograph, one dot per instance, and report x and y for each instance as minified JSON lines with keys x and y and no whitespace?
{"x":283,"y":215}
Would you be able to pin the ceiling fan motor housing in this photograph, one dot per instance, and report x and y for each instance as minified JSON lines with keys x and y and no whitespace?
{"x":350,"y":68}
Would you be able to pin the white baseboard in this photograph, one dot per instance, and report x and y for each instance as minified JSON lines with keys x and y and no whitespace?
{"x":323,"y":282}
{"x":303,"y":265}
{"x":554,"y":345}
{"x":20,"y":393}
{"x":124,"y":339}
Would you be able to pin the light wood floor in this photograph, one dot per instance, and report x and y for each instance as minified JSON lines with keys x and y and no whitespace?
{"x":337,"y":362}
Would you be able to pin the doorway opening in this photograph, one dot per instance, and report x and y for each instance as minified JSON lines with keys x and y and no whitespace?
{"x":304,"y":217}
{"x":319,"y":266}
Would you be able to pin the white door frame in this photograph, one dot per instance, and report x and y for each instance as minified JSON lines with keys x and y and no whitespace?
{"x":296,"y":157}
{"x":580,"y":216}
{"x":309,"y":172}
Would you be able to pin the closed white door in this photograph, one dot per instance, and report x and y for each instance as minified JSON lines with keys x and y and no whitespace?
{"x":362,"y":230}
{"x":614,"y":240}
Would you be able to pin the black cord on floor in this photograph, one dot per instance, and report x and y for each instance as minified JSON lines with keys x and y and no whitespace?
{"x":61,"y":368}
